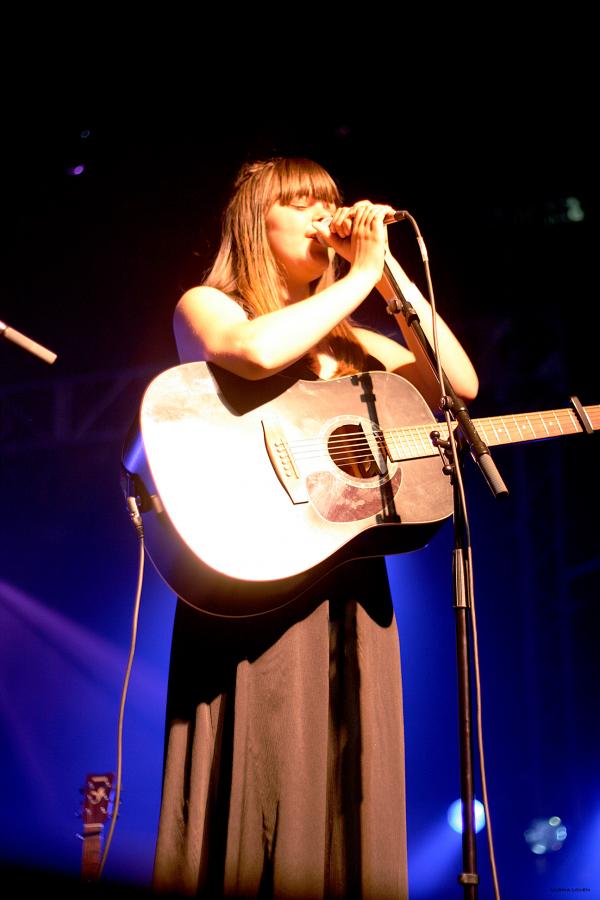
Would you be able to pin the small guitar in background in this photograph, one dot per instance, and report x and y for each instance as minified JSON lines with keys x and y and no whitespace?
{"x":96,"y":809}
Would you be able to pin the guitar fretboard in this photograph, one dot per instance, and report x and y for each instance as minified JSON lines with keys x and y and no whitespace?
{"x":415,"y":442}
{"x":91,"y":854}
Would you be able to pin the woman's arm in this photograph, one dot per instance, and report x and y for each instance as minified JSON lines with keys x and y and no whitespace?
{"x":212,"y":326}
{"x":413,"y":365}
{"x":455,"y":361}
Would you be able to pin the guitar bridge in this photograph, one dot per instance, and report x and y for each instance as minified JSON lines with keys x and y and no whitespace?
{"x":282,"y":461}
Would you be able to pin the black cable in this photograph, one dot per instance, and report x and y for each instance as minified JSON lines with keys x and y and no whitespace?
{"x":137,"y":521}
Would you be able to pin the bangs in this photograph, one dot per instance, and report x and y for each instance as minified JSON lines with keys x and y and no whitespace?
{"x":295,"y":178}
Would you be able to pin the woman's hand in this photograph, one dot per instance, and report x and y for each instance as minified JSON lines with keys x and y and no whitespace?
{"x":357,"y":233}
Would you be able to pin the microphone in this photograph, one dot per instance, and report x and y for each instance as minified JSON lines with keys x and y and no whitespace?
{"x":388,"y":219}
{"x":396,"y":216}
{"x":11,"y":334}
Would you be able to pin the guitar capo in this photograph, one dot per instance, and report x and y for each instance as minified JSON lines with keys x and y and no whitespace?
{"x":584,"y":419}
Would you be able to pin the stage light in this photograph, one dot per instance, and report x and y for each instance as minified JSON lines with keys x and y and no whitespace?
{"x":455,"y":819}
{"x":76,"y":170}
{"x":545,"y":835}
{"x":574,"y":211}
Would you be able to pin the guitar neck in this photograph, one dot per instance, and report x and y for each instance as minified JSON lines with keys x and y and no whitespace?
{"x":90,"y":854}
{"x":415,"y":442}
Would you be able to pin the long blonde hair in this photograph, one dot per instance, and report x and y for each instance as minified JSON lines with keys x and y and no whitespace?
{"x":245,"y":267}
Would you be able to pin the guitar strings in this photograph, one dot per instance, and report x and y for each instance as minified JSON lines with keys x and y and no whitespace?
{"x":414,"y":442}
{"x":550,"y":417}
{"x":407,"y":438}
{"x":350,"y":450}
{"x":412,"y":446}
{"x":415,"y":430}
{"x":421,"y":432}
{"x":412,"y":434}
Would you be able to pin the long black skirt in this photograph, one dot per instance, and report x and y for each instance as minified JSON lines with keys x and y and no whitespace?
{"x":284,"y":761}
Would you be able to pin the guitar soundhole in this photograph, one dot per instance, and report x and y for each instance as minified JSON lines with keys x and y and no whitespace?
{"x":349,"y":449}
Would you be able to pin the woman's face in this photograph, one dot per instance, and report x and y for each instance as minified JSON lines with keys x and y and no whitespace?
{"x":293,"y":238}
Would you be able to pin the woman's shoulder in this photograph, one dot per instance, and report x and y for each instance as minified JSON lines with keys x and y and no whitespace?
{"x":203,"y":321}
{"x":203,"y":293}
{"x":390,"y":353}
{"x":205,"y":300}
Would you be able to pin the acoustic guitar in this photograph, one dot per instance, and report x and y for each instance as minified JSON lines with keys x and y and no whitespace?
{"x":251,"y":491}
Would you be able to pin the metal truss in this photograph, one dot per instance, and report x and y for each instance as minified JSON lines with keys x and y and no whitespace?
{"x":71,"y":410}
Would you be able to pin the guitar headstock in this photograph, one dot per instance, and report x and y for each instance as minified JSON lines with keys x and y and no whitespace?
{"x":97,"y":801}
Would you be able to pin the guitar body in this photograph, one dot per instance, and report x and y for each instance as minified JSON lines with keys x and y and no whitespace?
{"x":252,"y":491}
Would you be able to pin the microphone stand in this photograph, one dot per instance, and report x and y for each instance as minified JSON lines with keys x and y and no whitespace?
{"x":461,"y":564}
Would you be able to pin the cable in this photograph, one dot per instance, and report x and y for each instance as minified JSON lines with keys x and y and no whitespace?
{"x":137,"y":521}
{"x":478,"y":704}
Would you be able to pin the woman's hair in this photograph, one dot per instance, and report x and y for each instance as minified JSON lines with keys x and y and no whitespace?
{"x":245,"y":267}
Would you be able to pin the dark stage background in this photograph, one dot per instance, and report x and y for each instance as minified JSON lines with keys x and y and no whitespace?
{"x":93,"y":266}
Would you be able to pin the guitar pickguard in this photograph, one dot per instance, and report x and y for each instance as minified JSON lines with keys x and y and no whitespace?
{"x":338,"y":500}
